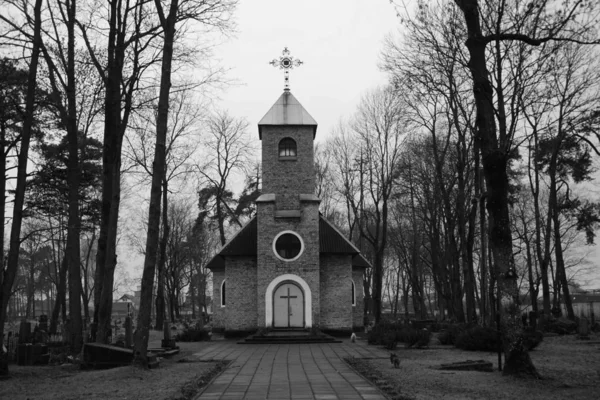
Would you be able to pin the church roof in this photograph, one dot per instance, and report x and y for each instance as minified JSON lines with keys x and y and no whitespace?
{"x":331,"y":241}
{"x":287,"y":110}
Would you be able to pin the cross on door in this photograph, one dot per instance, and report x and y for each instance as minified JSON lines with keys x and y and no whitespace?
{"x":288,"y":297}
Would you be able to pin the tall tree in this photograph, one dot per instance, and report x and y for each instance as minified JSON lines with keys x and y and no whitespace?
{"x":229,"y":151}
{"x":538,"y":22}
{"x":211,"y":12}
{"x":8,"y":274}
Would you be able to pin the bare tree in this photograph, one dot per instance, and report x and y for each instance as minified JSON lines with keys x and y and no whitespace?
{"x":8,"y":274}
{"x":207,"y":12}
{"x":229,"y":152}
{"x":505,"y":22}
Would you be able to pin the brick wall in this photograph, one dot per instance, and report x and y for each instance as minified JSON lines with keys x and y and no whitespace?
{"x":218,"y":317}
{"x":336,"y":291}
{"x":285,"y":177}
{"x":240,"y":308}
{"x":359,"y":308}
{"x":270,"y":267}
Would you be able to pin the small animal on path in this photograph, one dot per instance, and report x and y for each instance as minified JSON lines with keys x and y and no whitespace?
{"x":353,"y":337}
{"x":394,"y":360}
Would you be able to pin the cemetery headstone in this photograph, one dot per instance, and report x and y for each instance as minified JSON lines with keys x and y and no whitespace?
{"x":25,"y":332}
{"x":43,"y":322}
{"x":584,"y":329}
{"x":533,"y":319}
{"x":167,"y":341}
{"x":128,"y":332}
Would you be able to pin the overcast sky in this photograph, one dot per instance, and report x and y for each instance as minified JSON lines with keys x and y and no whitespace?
{"x":339,"y":42}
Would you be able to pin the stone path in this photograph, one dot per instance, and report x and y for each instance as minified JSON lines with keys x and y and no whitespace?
{"x":289,"y":371}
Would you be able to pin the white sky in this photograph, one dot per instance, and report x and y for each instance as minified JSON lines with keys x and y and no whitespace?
{"x":339,"y":42}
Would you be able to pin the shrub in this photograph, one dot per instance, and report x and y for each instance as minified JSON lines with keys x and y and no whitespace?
{"x":389,"y":334}
{"x":414,"y":337}
{"x":192,"y":334}
{"x":532,"y":338}
{"x":478,"y":338}
{"x":450,"y":333}
{"x":562,"y":326}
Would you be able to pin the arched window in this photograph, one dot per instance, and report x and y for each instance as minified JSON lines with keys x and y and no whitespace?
{"x":287,"y":148}
{"x":223,"y":293}
{"x":353,"y":293}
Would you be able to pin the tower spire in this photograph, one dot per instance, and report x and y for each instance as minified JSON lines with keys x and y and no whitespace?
{"x":286,"y":62}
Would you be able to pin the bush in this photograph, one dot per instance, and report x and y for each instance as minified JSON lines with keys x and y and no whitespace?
{"x":450,"y":333}
{"x":532,"y":338}
{"x":389,"y":334}
{"x":414,"y":337}
{"x":193,"y":334}
{"x":478,"y":338}
{"x":562,"y":326}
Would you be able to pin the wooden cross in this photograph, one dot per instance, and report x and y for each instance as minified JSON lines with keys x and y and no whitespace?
{"x":288,"y":297}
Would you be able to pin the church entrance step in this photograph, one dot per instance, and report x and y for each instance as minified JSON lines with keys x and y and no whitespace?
{"x":288,"y":336}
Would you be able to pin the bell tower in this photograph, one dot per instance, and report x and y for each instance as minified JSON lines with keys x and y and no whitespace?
{"x":287,"y":215}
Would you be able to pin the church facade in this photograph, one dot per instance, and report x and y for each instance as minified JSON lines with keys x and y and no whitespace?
{"x":288,"y":268}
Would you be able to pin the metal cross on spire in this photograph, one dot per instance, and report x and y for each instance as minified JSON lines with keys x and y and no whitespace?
{"x":286,"y":62}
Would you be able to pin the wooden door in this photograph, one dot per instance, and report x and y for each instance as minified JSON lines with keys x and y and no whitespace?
{"x":288,"y":307}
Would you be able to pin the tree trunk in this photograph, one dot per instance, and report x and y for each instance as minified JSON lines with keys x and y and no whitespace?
{"x":2,"y":194}
{"x":61,"y":291}
{"x":160,"y":290}
{"x":495,"y":162}
{"x":158,"y":172}
{"x":8,"y":274}
{"x":73,"y":252}
{"x":114,"y":129}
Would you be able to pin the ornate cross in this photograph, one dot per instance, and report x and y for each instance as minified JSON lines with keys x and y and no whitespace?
{"x":286,"y":62}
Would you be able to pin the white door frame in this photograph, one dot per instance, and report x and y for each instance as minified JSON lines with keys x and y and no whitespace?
{"x":269,"y":298}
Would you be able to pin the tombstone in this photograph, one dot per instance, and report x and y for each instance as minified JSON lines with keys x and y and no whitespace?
{"x":167,"y":342}
{"x":583,"y":329}
{"x":43,"y":322}
{"x":533,"y":319}
{"x":128,"y":332}
{"x":24,"y":332}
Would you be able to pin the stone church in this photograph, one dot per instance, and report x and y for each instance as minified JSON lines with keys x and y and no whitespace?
{"x":288,"y":268}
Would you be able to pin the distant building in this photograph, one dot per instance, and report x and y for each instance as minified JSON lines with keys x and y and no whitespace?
{"x":585,"y":305}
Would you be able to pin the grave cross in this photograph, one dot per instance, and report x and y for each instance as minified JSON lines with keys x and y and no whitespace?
{"x":286,"y":62}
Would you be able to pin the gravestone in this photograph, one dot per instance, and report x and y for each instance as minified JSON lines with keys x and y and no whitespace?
{"x":167,"y":341}
{"x":128,"y":332}
{"x":533,"y":319}
{"x":583,"y":329}
{"x":24,"y":332}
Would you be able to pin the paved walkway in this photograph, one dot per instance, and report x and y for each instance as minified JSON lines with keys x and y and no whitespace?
{"x":289,"y":371}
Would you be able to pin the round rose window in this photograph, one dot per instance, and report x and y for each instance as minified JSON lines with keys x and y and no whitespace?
{"x":288,"y":246}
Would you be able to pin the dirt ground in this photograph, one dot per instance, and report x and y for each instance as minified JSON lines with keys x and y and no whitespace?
{"x":570,"y":369}
{"x":175,"y":377}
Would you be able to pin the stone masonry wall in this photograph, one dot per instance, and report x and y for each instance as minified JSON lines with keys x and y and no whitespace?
{"x":336,"y":291}
{"x":240,"y":288}
{"x":288,"y":177}
{"x":218,"y":317}
{"x":359,"y":309}
{"x":270,"y":267}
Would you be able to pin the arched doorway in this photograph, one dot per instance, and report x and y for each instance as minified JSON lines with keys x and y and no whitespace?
{"x":270,"y":296}
{"x":288,"y":306}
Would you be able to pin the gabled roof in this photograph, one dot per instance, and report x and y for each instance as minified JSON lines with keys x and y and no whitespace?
{"x":331,"y":241}
{"x":287,"y":110}
{"x":359,"y":261}
{"x":243,"y":243}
